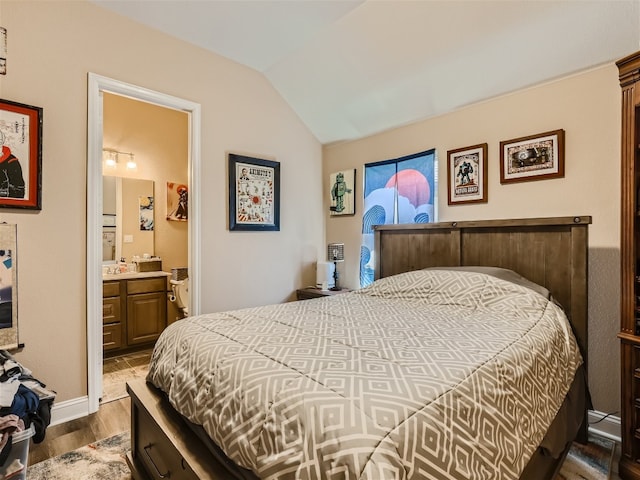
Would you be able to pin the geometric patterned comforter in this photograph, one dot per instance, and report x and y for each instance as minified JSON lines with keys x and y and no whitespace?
{"x":427,"y":374}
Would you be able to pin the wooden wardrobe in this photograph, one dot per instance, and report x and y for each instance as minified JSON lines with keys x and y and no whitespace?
{"x":629,"y":73}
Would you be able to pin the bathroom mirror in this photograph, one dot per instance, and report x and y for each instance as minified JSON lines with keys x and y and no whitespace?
{"x":128,"y":220}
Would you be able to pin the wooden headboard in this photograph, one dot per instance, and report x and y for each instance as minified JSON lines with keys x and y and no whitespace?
{"x":551,"y":252}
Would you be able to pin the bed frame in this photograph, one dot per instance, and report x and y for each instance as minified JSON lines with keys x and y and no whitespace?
{"x":552,"y":252}
{"x":549,"y":251}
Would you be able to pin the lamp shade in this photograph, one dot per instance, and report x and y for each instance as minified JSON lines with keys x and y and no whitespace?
{"x":335,"y":252}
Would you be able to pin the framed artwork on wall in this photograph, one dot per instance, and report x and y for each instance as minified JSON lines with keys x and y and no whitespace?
{"x":467,"y":174}
{"x":343,"y":192}
{"x":254,"y":194}
{"x":535,"y":157}
{"x":21,"y":156}
{"x":8,"y":288}
{"x":177,"y":202}
{"x":146,"y":213}
{"x":3,"y":51}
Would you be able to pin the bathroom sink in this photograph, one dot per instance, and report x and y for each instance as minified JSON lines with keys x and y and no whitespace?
{"x":133,"y":275}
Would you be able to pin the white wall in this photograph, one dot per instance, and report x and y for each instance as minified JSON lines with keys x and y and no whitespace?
{"x":587,"y":107}
{"x":51,"y":48}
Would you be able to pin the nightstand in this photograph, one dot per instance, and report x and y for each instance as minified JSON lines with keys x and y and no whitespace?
{"x":313,"y":292}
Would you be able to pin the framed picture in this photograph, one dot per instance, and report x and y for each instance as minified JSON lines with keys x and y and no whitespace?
{"x":21,"y":160}
{"x":467,"y":174}
{"x":8,"y":287}
{"x":254,"y":193}
{"x":146,"y":213}
{"x":536,"y":157}
{"x":343,"y":193}
{"x":3,"y":51}
{"x":177,"y":202}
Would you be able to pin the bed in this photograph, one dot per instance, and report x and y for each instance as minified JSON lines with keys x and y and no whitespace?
{"x":465,"y":359}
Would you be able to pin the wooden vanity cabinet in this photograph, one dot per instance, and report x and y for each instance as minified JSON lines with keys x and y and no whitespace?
{"x":134,"y":313}
{"x":146,"y":309}
{"x":111,"y":316}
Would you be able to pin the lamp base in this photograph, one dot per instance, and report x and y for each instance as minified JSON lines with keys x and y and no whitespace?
{"x":335,"y":287}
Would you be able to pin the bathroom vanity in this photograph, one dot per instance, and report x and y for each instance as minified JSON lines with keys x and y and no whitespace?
{"x":134,"y":310}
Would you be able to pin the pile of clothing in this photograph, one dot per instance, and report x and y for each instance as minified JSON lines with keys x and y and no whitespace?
{"x":25,"y":403}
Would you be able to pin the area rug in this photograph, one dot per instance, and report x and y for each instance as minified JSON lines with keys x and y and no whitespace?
{"x":592,"y":461}
{"x":102,"y":460}
{"x":106,"y":460}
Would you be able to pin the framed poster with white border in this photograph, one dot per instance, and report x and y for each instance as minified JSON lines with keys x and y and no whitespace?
{"x":535,"y":157}
{"x":467,"y":175}
{"x":254,"y":194}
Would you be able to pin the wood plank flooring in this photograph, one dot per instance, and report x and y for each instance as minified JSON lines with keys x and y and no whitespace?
{"x":111,"y":418}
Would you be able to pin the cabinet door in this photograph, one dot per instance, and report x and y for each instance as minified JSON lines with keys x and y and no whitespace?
{"x":146,"y":317}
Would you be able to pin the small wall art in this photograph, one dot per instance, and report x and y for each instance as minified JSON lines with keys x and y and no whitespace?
{"x":146,"y":213}
{"x":536,"y":157}
{"x":177,"y":202}
{"x":3,"y":51}
{"x":254,"y":193}
{"x":467,"y":174}
{"x":342,"y":189}
{"x":8,"y":288}
{"x":21,"y":156}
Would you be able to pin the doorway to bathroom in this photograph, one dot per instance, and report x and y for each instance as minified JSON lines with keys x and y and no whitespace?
{"x":123,"y":120}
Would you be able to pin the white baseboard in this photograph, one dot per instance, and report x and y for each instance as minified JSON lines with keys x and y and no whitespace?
{"x":609,"y":428}
{"x":62,"y":412}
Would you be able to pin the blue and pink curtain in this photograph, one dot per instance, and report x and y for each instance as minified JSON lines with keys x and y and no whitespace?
{"x":402,"y":190}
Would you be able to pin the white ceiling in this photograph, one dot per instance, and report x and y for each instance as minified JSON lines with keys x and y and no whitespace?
{"x":351,"y":68}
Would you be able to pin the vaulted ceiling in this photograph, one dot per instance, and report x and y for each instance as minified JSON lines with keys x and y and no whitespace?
{"x":354,"y":68}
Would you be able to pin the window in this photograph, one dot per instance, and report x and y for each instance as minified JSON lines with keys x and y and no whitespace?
{"x":402,"y":190}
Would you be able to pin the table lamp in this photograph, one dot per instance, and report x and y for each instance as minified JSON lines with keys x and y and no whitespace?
{"x":335,"y":254}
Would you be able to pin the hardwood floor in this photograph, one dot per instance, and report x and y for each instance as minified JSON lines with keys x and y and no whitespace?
{"x":110,"y":419}
{"x":113,"y":416}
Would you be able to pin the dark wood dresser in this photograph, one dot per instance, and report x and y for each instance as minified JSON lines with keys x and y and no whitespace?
{"x":629,"y":72}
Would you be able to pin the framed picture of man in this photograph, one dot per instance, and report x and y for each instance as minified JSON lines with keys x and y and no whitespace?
{"x":467,"y":174}
{"x":20,"y":156}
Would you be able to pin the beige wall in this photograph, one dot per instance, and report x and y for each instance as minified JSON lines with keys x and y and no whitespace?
{"x":587,"y":107}
{"x":51,"y":48}
{"x":53,"y":45}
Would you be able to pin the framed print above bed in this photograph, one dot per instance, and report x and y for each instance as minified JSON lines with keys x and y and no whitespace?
{"x":254,"y":194}
{"x":536,"y":157}
{"x":21,"y":156}
{"x":467,"y":174}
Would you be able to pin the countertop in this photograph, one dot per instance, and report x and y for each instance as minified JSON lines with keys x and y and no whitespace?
{"x":133,"y":275}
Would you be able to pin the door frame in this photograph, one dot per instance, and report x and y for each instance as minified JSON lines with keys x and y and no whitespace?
{"x":98,"y":84}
